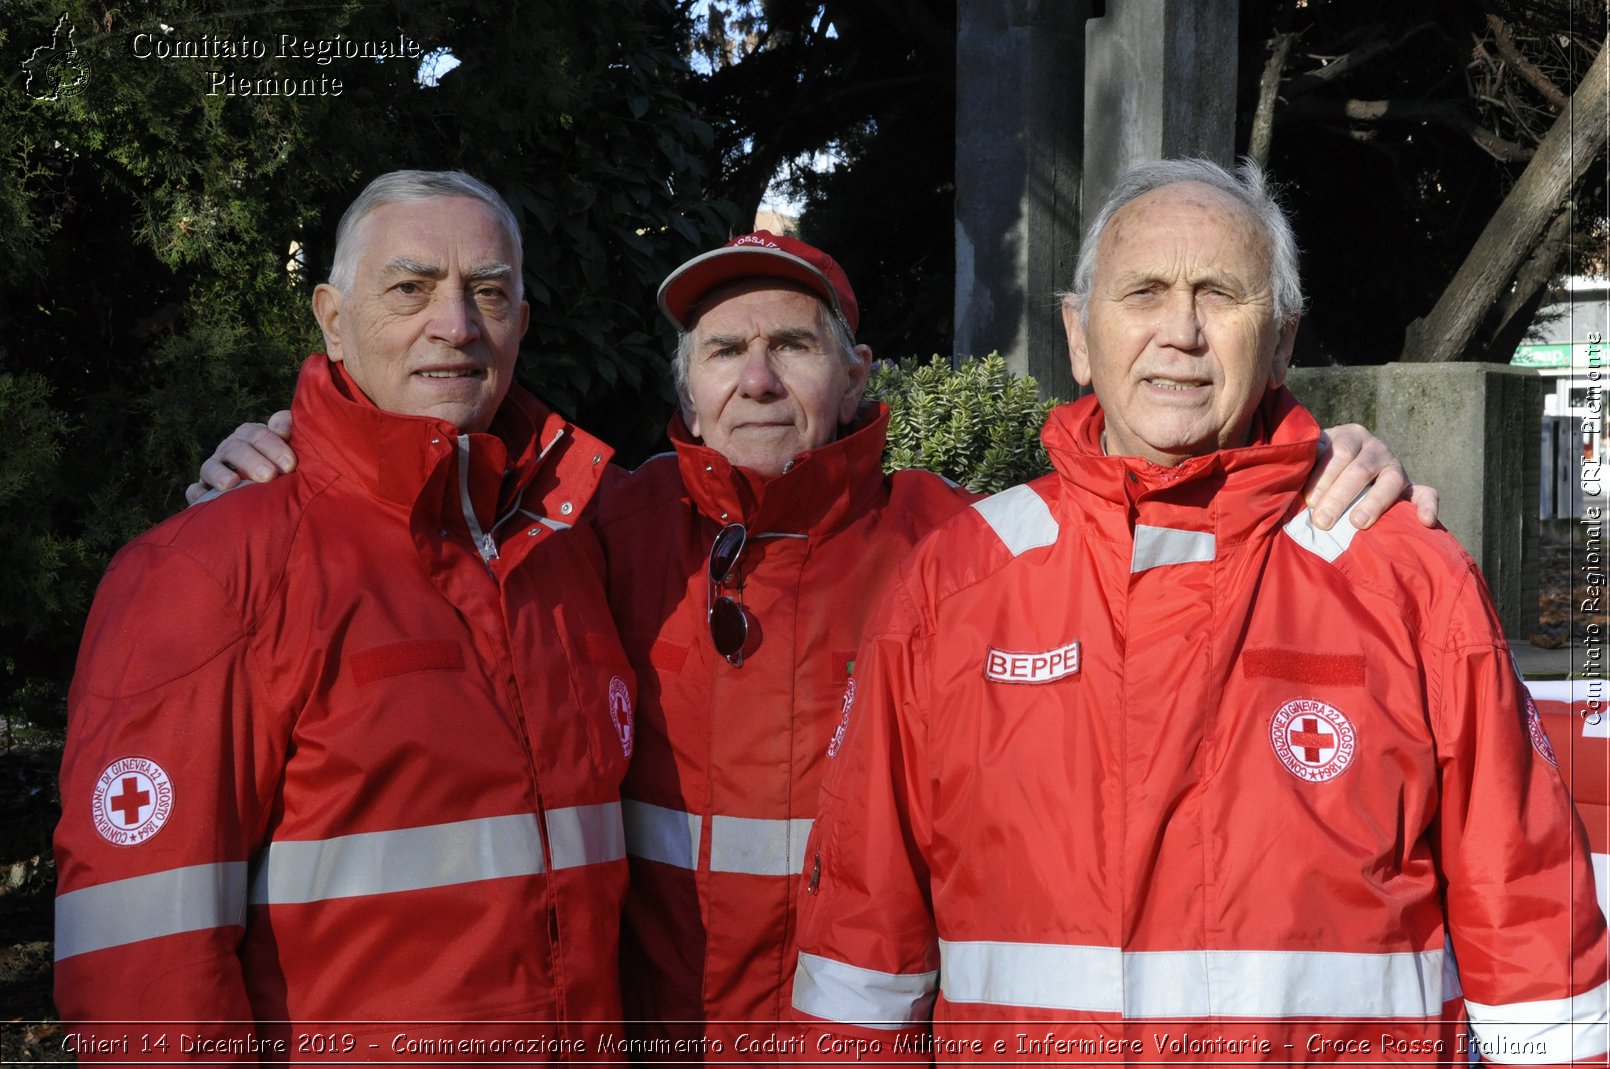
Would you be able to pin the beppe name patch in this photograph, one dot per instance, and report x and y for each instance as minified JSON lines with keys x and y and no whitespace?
{"x":1006,"y":666}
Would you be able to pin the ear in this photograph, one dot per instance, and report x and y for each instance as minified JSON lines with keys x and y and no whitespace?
{"x":1078,"y":351}
{"x":327,"y":310}
{"x":525,"y":317}
{"x":850,"y":404}
{"x":1282,"y":359}
{"x":690,"y":416}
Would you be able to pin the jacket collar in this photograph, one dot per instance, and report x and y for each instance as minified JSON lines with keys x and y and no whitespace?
{"x":1237,"y":492}
{"x":821,"y":491}
{"x":529,"y":455}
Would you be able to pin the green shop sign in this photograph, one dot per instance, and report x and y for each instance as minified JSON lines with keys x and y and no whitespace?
{"x":1580,"y":354}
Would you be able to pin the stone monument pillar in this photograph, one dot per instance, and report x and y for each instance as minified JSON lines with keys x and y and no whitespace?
{"x":1019,"y":108}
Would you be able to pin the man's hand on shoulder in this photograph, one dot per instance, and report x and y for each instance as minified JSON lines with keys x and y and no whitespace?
{"x":1352,"y":459}
{"x":256,"y":451}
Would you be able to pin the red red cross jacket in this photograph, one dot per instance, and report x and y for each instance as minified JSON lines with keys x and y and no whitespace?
{"x":1143,"y":766}
{"x":347,"y":748}
{"x":723,"y":781}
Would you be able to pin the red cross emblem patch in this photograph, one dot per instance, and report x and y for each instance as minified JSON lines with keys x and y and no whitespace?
{"x":1316,"y":742}
{"x":1534,"y":728}
{"x":620,"y":712}
{"x":133,"y":799}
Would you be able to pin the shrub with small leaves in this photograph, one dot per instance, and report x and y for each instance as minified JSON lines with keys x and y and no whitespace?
{"x":977,"y":424}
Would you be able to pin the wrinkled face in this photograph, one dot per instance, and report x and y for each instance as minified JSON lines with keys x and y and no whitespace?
{"x":1181,"y":342}
{"x":433,"y":322}
{"x":766,"y":381}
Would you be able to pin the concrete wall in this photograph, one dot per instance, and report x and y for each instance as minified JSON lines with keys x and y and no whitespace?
{"x":1470,"y":430}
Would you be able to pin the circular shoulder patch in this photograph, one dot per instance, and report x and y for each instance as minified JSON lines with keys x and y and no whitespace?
{"x":1540,"y":738}
{"x":1316,"y":742}
{"x":133,"y":800}
{"x":620,"y":712}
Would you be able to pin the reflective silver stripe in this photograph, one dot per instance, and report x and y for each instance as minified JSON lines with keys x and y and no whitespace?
{"x":655,"y":833}
{"x":748,"y":845}
{"x":586,"y":835}
{"x":1157,"y":546}
{"x":758,"y":847}
{"x":835,"y":991}
{"x":115,"y":914}
{"x":1553,"y":1030}
{"x":1020,"y":518}
{"x":1327,"y":544}
{"x":408,"y":859}
{"x":1193,"y":983}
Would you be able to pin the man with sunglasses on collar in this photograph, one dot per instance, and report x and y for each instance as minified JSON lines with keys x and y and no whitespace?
{"x":742,"y":569}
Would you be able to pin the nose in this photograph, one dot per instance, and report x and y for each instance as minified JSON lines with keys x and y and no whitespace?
{"x":1179,"y":325}
{"x":758,"y":379}
{"x":454,"y":320}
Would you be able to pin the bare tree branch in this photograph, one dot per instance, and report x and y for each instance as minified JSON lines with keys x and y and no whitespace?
{"x":1263,"y":119}
{"x":1346,"y":63}
{"x":1446,"y":112}
{"x":1523,"y":66}
{"x":1575,"y":142}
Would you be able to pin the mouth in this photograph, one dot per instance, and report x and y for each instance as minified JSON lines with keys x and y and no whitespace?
{"x":452,"y":373}
{"x":1175,"y":385}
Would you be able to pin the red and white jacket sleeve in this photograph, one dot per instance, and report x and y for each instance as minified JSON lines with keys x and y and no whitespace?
{"x":1524,"y":922}
{"x":868,"y":950}
{"x":166,"y":781}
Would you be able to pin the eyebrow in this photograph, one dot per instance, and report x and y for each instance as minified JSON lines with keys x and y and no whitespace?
{"x":721,"y":341}
{"x":479,"y":273}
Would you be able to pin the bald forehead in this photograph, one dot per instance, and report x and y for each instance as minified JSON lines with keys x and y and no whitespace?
{"x":1182,"y":202}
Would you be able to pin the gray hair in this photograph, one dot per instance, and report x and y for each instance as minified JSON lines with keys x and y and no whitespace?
{"x":838,"y":330}
{"x":399,"y":187}
{"x":1248,"y":186}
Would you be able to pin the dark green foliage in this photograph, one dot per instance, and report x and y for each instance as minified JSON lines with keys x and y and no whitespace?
{"x":977,"y":424}
{"x":161,"y":242}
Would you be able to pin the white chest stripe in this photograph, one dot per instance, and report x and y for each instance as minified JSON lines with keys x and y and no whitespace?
{"x":655,"y":833}
{"x":758,"y":847}
{"x":1193,"y":983}
{"x":190,"y":899}
{"x":1158,"y":546}
{"x":436,"y":855}
{"x":1096,"y":979}
{"x":1020,"y":518}
{"x":737,"y":844}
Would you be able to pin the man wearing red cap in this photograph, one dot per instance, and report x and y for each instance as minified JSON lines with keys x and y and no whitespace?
{"x":743,"y":567}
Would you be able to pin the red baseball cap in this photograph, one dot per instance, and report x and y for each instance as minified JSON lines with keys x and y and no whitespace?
{"x":758,"y":255}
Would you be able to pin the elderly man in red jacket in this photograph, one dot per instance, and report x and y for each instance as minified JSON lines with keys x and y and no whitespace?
{"x":743,"y":567}
{"x":347,"y":749}
{"x":1144,"y":765}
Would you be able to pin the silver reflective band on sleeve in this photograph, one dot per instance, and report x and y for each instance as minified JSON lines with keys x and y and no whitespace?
{"x":586,"y":835}
{"x":655,"y":833}
{"x":758,"y":847}
{"x":1157,"y":546}
{"x":1553,"y":1030}
{"x":1327,"y":544}
{"x":1193,"y":983}
{"x":850,"y":994}
{"x":407,"y":859}
{"x":190,"y":899}
{"x":1020,"y":518}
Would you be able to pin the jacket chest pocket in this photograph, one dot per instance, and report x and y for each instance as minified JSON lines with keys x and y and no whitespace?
{"x":604,"y":689}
